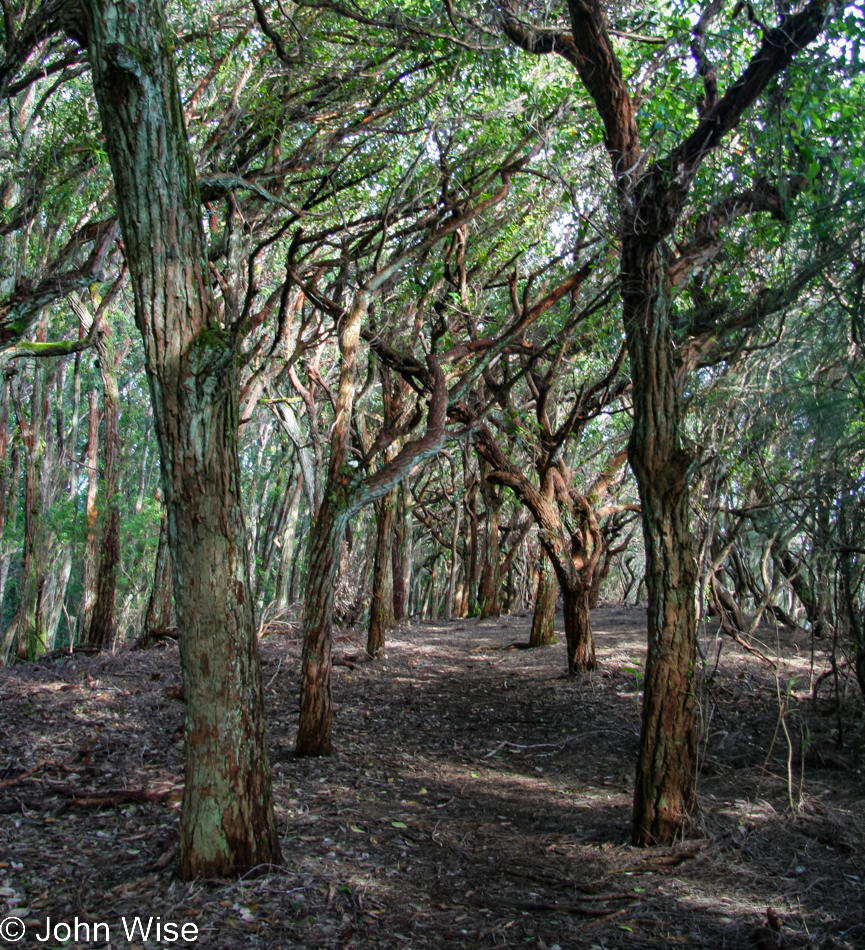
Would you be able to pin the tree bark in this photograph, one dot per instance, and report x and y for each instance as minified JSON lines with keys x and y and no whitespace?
{"x":400,"y":557}
{"x":431,"y":612}
{"x":325,"y":543}
{"x":491,"y":574}
{"x":101,"y":629}
{"x":664,"y":788}
{"x":227,"y":821}
{"x":287,"y":552}
{"x":91,"y":543}
{"x":381,"y":608}
{"x":159,"y":616}
{"x":728,"y":603}
{"x":472,"y":509}
{"x":452,"y":579}
{"x":578,"y":631}
{"x":344,"y":495}
{"x":544,"y":618}
{"x":30,"y":627}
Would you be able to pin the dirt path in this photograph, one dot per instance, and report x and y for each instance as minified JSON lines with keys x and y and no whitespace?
{"x":478,"y":798}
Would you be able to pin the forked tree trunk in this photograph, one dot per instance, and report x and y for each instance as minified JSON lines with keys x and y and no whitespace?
{"x":664,"y":787}
{"x":544,"y":619}
{"x":381,"y":607}
{"x":578,"y":630}
{"x":227,"y":821}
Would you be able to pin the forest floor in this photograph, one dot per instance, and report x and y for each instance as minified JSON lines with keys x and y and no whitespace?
{"x":477,"y":798}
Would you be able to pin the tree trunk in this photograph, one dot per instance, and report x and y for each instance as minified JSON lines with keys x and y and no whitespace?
{"x":399,"y":580}
{"x":491,"y":575}
{"x":91,"y":543}
{"x":325,"y":543}
{"x":728,"y":603}
{"x":101,"y":630}
{"x":295,"y":562}
{"x":472,"y":510}
{"x":4,"y":490}
{"x":381,"y":608}
{"x":316,"y":700}
{"x":287,"y":554}
{"x":401,"y":555}
{"x":544,"y":620}
{"x":4,"y":445}
{"x":452,"y":580}
{"x":160,"y":614}
{"x":578,"y":630}
{"x":54,"y":594}
{"x":227,"y":821}
{"x":30,"y":631}
{"x":431,"y":612}
{"x":664,"y":788}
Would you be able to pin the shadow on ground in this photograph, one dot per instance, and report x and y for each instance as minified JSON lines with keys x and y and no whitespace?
{"x":478,"y":798}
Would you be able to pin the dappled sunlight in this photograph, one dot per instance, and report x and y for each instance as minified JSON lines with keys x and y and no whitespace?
{"x":477,"y":795}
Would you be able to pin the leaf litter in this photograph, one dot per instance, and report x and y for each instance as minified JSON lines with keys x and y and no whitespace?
{"x":477,"y":798}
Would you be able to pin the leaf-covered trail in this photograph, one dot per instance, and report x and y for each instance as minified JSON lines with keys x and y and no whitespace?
{"x":478,"y":798}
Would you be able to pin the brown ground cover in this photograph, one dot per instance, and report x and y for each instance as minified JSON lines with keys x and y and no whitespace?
{"x":478,"y":798}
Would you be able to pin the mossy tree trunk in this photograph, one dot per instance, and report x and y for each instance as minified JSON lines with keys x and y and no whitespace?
{"x":227,"y":821}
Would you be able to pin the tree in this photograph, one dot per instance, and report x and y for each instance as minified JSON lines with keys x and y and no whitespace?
{"x":227,"y":821}
{"x":652,"y":192}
